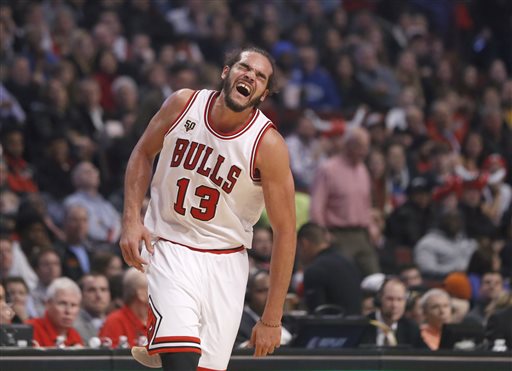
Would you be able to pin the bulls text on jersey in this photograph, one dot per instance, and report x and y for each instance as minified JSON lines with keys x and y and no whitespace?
{"x":195,"y":156}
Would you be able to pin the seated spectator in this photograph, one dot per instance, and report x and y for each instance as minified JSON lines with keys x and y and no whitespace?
{"x":259,"y":254}
{"x":48,"y":267}
{"x":444,"y":249}
{"x":437,"y":309}
{"x":107,"y":263}
{"x":95,"y":302}
{"x":17,"y":295}
{"x":19,"y":173}
{"x":411,"y":221}
{"x":256,"y":298}
{"x":13,"y":262}
{"x":379,"y":87}
{"x":76,"y":249}
{"x":491,"y":288}
{"x":329,"y":277}
{"x":305,"y":153}
{"x":62,"y":307}
{"x":130,"y":320}
{"x":411,"y":276}
{"x":458,"y":286}
{"x":389,"y":326}
{"x":498,"y":325}
{"x":6,"y":312}
{"x":104,"y":220}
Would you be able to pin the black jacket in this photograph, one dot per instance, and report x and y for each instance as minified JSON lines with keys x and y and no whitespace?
{"x":407,"y":333}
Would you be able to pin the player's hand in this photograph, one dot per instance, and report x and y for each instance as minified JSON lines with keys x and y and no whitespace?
{"x":265,"y":339}
{"x":132,"y":235}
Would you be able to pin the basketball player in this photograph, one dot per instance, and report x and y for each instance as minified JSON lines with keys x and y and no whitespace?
{"x":221,"y":160}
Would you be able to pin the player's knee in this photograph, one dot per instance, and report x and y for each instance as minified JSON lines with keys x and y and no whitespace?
{"x":180,"y":361}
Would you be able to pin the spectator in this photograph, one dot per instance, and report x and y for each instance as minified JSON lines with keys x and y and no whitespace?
{"x":411,"y":276}
{"x":62,"y":308}
{"x":6,"y":312}
{"x":13,"y":262}
{"x":389,"y":326}
{"x":436,"y":304}
{"x":498,"y":325}
{"x":256,"y":298}
{"x":329,"y":278}
{"x":104,"y":220}
{"x":305,"y":153}
{"x":48,"y":267}
{"x":261,"y":250}
{"x":106,"y":263}
{"x":444,"y":249}
{"x":379,"y":87}
{"x":458,"y":286}
{"x":498,"y":194}
{"x":130,"y":320}
{"x":20,"y":172}
{"x":491,"y":288}
{"x":95,"y":302}
{"x":411,"y":221}
{"x":344,"y":207}
{"x":17,"y":296}
{"x":75,"y":250}
{"x":317,"y":89}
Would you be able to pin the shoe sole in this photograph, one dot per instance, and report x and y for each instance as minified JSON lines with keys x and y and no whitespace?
{"x":141,"y":355}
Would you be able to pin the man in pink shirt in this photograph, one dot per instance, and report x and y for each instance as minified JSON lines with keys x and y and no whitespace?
{"x":341,"y":200}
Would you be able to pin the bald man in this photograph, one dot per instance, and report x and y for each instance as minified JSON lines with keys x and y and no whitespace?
{"x":341,"y":199}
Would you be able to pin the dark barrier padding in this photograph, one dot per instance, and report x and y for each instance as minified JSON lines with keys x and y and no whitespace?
{"x":284,"y":360}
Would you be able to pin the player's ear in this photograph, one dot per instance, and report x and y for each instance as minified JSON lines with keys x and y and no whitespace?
{"x":265,"y":95}
{"x":225,"y":72}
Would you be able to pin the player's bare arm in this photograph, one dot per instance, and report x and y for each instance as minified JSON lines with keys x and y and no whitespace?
{"x":273,"y":163}
{"x":138,"y":177}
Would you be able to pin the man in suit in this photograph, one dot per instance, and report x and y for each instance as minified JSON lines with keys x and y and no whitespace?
{"x":499,"y":326}
{"x":389,"y":326}
{"x":256,"y":297}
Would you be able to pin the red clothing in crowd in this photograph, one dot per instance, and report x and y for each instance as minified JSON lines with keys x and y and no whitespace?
{"x":46,"y":334}
{"x":123,"y":322}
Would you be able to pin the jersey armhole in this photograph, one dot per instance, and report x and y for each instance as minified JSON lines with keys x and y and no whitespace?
{"x":183,"y":112}
{"x":255,"y":173}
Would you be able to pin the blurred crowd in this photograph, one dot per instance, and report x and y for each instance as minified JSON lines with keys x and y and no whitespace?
{"x":398,"y":120}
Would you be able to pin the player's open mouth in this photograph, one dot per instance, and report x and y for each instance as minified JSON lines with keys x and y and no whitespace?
{"x":243,"y":89}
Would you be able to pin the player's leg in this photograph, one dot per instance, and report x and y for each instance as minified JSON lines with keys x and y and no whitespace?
{"x":220,"y":318}
{"x":179,"y":361}
{"x":173,"y":319}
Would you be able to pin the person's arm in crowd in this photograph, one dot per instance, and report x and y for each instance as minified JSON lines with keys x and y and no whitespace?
{"x":319,"y":194}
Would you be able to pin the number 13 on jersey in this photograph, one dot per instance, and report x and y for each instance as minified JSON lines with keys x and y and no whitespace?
{"x":208,"y":200}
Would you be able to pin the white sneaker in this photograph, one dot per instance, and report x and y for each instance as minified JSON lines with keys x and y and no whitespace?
{"x":142,"y":356}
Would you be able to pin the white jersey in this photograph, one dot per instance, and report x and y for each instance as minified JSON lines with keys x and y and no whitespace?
{"x":206,"y":192}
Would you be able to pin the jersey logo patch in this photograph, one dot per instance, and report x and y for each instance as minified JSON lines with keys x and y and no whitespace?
{"x":189,"y":125}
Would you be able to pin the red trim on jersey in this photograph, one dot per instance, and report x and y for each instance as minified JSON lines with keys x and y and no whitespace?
{"x":174,"y":350}
{"x":212,"y":251}
{"x":235,"y":134}
{"x":254,"y":151}
{"x":207,"y":369}
{"x":176,"y":339}
{"x":185,"y":109}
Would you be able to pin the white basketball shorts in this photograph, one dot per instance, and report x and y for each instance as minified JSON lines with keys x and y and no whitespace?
{"x":196,"y":299}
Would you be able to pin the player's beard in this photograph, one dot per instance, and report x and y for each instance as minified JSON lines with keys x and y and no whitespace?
{"x":227,"y":87}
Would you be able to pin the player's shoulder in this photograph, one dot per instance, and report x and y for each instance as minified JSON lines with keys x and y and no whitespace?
{"x":178,"y":99}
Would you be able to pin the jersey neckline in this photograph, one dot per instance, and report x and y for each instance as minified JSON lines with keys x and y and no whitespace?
{"x":234,"y":134}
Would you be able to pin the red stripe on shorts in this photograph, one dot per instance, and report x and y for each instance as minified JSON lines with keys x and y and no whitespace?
{"x":212,"y":251}
{"x":207,"y":369}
